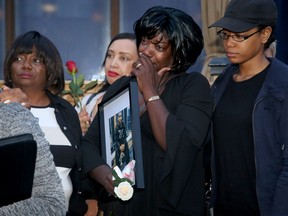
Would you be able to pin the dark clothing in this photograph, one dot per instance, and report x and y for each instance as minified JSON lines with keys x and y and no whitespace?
{"x":269,"y":121}
{"x":121,"y":158}
{"x":234,"y":142}
{"x":120,"y":132}
{"x":174,"y":179}
{"x":68,"y":121}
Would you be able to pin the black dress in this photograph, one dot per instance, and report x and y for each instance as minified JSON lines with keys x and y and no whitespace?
{"x":174,"y":179}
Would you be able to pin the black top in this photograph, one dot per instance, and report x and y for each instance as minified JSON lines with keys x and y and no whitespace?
{"x":234,"y":148}
{"x":174,"y":180}
{"x":68,"y":120}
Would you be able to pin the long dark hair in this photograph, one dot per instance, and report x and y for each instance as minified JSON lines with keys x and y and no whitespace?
{"x":184,"y":35}
{"x":124,"y":35}
{"x":28,"y":43}
{"x":105,"y":84}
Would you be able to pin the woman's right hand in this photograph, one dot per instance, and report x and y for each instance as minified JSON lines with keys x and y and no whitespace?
{"x":84,"y":120}
{"x":148,"y":78}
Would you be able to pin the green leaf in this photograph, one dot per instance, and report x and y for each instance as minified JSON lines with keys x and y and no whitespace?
{"x":128,"y":180}
{"x":80,"y":80}
{"x":73,"y":87}
{"x":117,"y":180}
{"x":90,"y":85}
{"x":80,"y":91}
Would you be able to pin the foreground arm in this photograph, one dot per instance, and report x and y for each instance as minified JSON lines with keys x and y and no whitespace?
{"x":47,"y":194}
{"x":93,"y":162}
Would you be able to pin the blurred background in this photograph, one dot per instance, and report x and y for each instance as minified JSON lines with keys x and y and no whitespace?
{"x":82,"y":29}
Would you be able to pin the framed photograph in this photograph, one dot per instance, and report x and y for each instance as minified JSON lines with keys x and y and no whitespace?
{"x":120,"y":130}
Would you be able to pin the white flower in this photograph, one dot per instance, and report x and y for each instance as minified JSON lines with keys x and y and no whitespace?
{"x":124,"y":191}
{"x":122,"y":186}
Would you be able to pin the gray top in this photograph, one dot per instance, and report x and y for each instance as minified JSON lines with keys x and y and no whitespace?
{"x":47,"y":194}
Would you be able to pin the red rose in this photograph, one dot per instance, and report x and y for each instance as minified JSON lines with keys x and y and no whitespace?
{"x":71,"y":67}
{"x":76,"y":88}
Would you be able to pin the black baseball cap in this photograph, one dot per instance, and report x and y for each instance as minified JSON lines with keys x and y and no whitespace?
{"x":243,"y":15}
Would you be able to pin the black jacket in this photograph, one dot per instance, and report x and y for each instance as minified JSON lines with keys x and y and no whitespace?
{"x":68,"y":120}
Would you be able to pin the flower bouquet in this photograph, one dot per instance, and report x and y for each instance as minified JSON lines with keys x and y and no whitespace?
{"x":76,"y":86}
{"x":123,"y":181}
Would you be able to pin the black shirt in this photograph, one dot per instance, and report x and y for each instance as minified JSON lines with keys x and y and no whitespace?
{"x":234,"y":148}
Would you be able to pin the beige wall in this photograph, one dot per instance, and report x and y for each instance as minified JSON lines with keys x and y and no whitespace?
{"x":69,"y":98}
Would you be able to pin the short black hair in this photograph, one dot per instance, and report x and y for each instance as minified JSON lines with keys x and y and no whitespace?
{"x":28,"y":43}
{"x":182,"y":32}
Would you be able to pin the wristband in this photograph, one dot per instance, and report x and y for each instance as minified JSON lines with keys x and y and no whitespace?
{"x":153,"y":98}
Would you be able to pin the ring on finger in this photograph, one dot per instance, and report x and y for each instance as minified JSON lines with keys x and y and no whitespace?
{"x":7,"y":101}
{"x":138,"y":65}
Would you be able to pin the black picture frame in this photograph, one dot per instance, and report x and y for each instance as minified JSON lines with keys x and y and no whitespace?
{"x":124,"y":104}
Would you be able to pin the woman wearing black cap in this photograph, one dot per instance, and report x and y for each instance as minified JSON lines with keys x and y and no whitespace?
{"x":250,"y":152}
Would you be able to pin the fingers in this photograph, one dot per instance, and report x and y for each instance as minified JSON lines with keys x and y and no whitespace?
{"x":142,"y":65}
{"x":84,"y":126}
{"x":83,"y":113}
{"x":136,"y":65}
{"x":109,"y":186}
{"x":4,"y":87}
{"x":141,"y":61}
{"x":27,"y":105}
{"x":14,"y":95}
{"x":84,"y":120}
{"x":162,"y":71}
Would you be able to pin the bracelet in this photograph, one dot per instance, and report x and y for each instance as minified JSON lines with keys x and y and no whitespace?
{"x":153,"y":98}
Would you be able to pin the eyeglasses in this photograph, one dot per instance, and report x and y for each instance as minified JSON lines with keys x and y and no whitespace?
{"x":236,"y":37}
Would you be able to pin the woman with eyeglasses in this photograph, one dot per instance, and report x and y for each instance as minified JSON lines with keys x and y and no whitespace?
{"x":250,"y":139}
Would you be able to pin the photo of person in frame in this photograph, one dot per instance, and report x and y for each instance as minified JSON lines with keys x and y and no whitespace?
{"x":121,"y":142}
